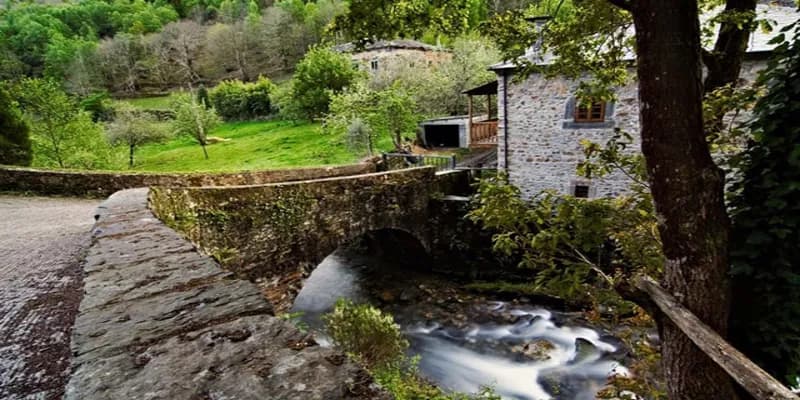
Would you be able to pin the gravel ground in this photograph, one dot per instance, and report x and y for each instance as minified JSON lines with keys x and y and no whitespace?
{"x":41,"y":240}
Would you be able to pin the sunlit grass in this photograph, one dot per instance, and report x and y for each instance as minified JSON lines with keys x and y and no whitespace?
{"x":253,"y":146}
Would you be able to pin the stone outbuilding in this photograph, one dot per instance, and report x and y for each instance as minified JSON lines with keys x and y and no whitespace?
{"x":541,"y":124}
{"x":388,"y":55}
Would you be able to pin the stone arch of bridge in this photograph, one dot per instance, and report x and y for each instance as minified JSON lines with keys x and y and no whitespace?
{"x":282,"y":285}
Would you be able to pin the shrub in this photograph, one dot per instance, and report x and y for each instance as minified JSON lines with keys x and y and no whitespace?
{"x":99,"y":106}
{"x":366,"y":334}
{"x":236,"y":100}
{"x":202,"y":96}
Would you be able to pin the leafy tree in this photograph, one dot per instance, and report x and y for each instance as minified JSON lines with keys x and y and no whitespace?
{"x":15,"y":143}
{"x":133,"y":128}
{"x":388,"y":112}
{"x":195,"y":120}
{"x":322,"y":73}
{"x":766,"y":223}
{"x":63,"y":135}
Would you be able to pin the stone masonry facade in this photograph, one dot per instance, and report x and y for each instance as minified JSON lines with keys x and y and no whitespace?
{"x":543,"y":142}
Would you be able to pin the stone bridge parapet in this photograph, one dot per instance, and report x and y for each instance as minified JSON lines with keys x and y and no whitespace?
{"x":103,"y":183}
{"x":276,"y":234}
{"x":161,"y":321}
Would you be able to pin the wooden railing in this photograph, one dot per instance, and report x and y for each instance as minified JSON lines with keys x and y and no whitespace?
{"x":750,"y":376}
{"x":483,"y":133}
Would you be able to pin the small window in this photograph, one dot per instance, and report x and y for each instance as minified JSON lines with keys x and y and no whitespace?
{"x":581,"y":191}
{"x":592,"y":112}
{"x":373,"y":65}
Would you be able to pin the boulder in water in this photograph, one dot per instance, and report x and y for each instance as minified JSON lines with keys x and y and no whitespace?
{"x":584,"y":349}
{"x":536,"y":350}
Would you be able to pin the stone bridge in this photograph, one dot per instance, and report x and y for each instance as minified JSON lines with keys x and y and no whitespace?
{"x":275,"y":234}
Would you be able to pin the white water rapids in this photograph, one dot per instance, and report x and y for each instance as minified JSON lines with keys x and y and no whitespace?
{"x":574,"y":366}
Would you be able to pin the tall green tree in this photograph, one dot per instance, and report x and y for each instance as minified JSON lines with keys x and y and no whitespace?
{"x":15,"y":143}
{"x":386,"y":113}
{"x":62,"y":134}
{"x":321,"y":74}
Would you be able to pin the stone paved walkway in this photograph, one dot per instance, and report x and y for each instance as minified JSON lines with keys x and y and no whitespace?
{"x":41,"y":240}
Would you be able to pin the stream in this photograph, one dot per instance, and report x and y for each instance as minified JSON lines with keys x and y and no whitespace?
{"x":524,"y":352}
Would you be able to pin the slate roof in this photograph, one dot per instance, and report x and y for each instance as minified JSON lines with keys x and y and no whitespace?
{"x":778,"y":15}
{"x":387,"y":44}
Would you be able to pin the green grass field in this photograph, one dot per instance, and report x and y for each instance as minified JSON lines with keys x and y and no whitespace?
{"x":252,"y":146}
{"x":153,"y":103}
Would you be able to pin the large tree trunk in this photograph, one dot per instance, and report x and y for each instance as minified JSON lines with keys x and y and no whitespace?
{"x":687,"y":189}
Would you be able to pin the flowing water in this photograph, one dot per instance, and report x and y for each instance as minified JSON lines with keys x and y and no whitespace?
{"x":524,"y":352}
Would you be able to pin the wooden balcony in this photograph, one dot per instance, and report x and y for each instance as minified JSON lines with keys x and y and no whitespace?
{"x":483,"y":133}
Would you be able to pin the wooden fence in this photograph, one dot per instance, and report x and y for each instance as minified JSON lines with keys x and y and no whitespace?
{"x":750,"y":376}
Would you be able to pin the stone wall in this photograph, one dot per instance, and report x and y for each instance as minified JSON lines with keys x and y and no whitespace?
{"x":544,"y":144}
{"x":100,"y":184}
{"x":160,"y":321}
{"x":276,"y":234}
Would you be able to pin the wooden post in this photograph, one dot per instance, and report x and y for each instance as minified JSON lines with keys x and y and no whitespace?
{"x":489,"y":106}
{"x":469,"y":123}
{"x":750,"y":376}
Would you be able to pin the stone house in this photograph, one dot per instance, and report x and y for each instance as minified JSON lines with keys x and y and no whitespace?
{"x":540,"y":124}
{"x":389,"y":55}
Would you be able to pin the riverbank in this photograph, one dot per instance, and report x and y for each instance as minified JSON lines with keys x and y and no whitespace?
{"x":468,"y":339}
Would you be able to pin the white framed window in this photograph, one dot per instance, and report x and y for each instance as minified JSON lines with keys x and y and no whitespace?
{"x":373,"y":65}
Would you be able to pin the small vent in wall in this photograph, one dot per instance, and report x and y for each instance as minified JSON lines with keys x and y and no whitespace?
{"x":581,"y":191}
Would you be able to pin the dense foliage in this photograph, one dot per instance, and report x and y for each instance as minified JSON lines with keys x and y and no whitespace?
{"x":44,"y":39}
{"x":237,"y":100}
{"x":321,"y":74}
{"x":15,"y":143}
{"x":766,"y":216}
{"x":388,"y":112}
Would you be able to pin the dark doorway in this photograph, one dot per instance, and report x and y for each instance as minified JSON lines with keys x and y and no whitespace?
{"x":442,"y":135}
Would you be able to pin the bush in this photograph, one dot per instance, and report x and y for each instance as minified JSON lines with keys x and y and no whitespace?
{"x":236,"y":100}
{"x":373,"y":338}
{"x":366,"y":334}
{"x":99,"y":106}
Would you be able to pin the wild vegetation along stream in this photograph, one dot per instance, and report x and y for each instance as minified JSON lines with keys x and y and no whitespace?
{"x":523,"y":351}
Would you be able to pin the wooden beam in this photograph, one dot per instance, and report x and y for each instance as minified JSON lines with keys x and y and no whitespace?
{"x":750,"y":376}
